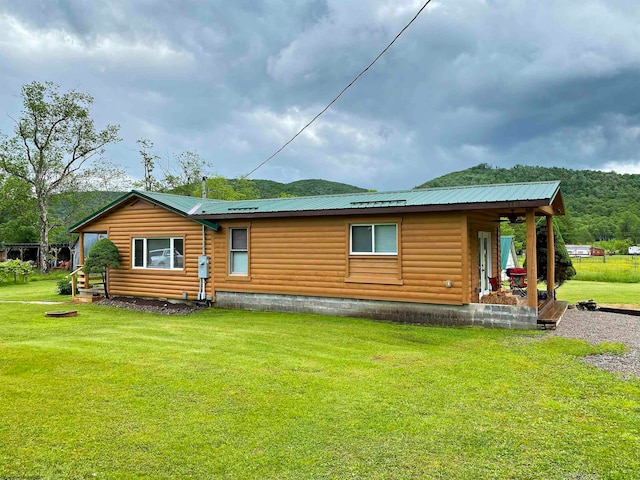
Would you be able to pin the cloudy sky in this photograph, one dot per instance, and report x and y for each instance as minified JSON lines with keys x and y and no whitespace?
{"x":502,"y":82}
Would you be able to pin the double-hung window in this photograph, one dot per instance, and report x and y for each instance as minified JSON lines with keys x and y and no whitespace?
{"x":374,"y":239}
{"x":239,"y":251}
{"x":161,"y":253}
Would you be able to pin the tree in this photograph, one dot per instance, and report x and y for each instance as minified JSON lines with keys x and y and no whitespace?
{"x":53,"y":139}
{"x":102,"y":256}
{"x":220,"y":188}
{"x":17,"y":207}
{"x":564,"y":266}
{"x":629,"y":227}
{"x":107,"y":177}
{"x":17,"y":268}
{"x":185,"y":178}
{"x":149,"y":182}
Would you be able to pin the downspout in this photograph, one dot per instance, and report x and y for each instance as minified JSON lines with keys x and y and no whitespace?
{"x":204,"y":196}
{"x":202,"y":291}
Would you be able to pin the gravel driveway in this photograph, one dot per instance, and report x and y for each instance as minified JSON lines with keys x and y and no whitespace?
{"x":596,"y":327}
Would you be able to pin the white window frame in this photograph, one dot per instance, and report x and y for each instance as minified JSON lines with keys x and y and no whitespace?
{"x":145,"y":252}
{"x":232,"y":251}
{"x":373,"y":238}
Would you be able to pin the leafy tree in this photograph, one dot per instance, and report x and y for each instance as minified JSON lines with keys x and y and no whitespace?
{"x":222,"y":189}
{"x":564,"y":266}
{"x":102,"y":256}
{"x":17,"y":207}
{"x":629,"y":227}
{"x":16,"y":268}
{"x":108,"y":177}
{"x":53,"y":139}
{"x":186,"y":176}
{"x":149,"y":182}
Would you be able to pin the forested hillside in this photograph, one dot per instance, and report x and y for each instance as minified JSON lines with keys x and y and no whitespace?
{"x":17,"y":205}
{"x":301,"y":188}
{"x":601,"y":206}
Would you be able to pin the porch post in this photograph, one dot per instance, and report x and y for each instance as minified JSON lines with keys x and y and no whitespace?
{"x":532,"y":260}
{"x":551,"y":258}
{"x":80,"y":249}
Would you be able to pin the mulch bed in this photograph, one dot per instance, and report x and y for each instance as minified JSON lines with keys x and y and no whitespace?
{"x":151,"y":305}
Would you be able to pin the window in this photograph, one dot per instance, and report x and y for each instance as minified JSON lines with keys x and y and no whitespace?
{"x":239,"y":251}
{"x":374,"y":239}
{"x":161,"y":253}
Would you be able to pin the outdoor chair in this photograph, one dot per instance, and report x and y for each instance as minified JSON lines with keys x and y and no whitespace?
{"x":518,"y":280}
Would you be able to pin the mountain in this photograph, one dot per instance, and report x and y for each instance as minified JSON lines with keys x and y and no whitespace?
{"x":301,"y":188}
{"x":600,"y":205}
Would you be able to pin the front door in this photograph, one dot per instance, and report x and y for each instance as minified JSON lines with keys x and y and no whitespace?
{"x":484,"y":262}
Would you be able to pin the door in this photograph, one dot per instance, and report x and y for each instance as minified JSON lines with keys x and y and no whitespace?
{"x":484,"y":262}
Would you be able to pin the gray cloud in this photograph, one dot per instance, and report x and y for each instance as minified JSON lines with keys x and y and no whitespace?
{"x":501,"y":82}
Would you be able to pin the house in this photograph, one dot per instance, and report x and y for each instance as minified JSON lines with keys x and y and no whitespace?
{"x":584,"y":251}
{"x":508,"y":255}
{"x":424,"y":255}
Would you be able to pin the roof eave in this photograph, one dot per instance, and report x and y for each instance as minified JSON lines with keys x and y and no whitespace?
{"x":135,"y":193}
{"x":75,"y":228}
{"x":505,"y":205}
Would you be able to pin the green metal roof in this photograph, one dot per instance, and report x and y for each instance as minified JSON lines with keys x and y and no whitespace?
{"x":508,"y":195}
{"x":179,"y":204}
{"x":538,"y":193}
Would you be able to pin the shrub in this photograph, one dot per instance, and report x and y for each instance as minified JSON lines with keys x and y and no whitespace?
{"x":64,"y":286}
{"x":102,"y":256}
{"x":563,"y":266}
{"x":17,"y":269}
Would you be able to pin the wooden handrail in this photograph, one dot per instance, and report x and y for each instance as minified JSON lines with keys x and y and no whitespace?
{"x":74,"y":278}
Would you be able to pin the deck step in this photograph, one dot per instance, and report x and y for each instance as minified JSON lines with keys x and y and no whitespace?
{"x":551,"y":314}
{"x":89,"y":295}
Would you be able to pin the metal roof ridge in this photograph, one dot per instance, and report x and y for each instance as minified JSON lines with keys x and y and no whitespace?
{"x":413,"y":190}
{"x":459,"y":187}
{"x":357,"y":194}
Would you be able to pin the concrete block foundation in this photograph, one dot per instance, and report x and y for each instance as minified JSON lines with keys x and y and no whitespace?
{"x":476,"y":314}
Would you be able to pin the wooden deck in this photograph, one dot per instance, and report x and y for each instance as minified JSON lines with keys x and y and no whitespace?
{"x":550,"y":313}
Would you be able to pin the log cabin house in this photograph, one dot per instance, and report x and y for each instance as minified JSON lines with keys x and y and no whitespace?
{"x":424,"y":255}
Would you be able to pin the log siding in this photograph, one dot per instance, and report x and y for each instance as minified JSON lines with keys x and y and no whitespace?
{"x":310,"y":256}
{"x":144,"y":220}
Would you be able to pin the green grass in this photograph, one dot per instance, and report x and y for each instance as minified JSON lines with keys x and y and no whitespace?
{"x":41,"y":289}
{"x":616,"y":268}
{"x":602,"y":292}
{"x":225,"y":394}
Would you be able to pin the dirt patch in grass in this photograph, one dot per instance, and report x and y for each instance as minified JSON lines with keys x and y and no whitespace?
{"x":153,"y":305}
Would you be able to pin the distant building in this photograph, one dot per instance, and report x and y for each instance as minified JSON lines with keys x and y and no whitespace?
{"x":584,"y":251}
{"x":634,"y":250}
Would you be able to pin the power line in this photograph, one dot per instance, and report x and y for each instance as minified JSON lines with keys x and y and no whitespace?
{"x":343,"y":90}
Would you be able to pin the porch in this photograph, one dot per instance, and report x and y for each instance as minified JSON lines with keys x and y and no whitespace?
{"x":550,"y":310}
{"x":86,"y":288}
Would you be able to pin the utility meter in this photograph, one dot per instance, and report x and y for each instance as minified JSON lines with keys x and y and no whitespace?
{"x":203,"y":266}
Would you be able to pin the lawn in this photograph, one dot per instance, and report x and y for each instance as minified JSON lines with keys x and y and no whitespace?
{"x":614,"y":268}
{"x":602,"y":292}
{"x":227,"y":394}
{"x":35,"y":290}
